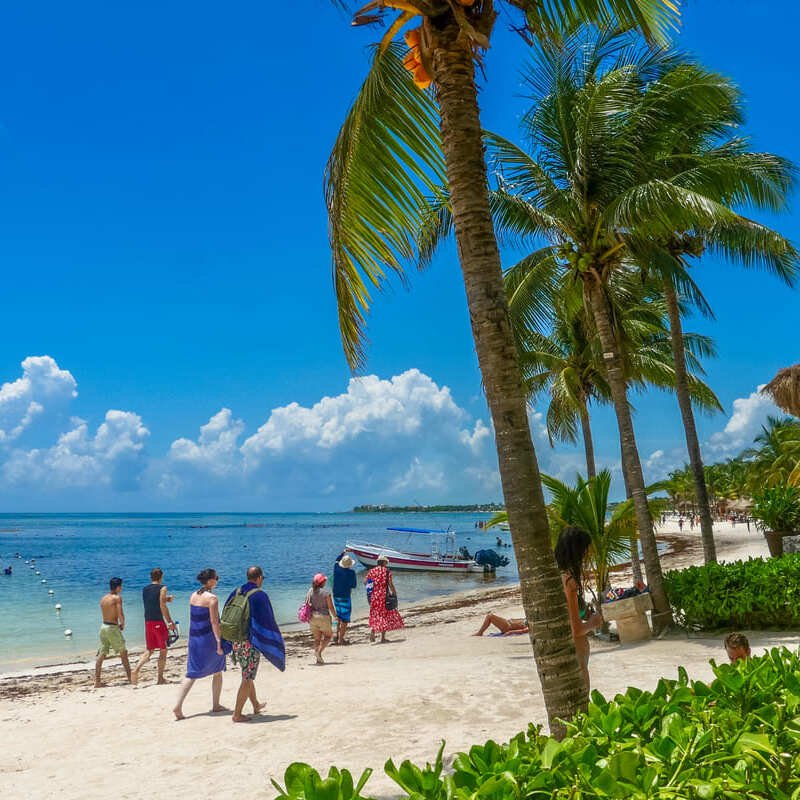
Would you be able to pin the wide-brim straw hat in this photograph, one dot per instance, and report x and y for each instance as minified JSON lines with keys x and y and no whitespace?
{"x":346,"y":562}
{"x":383,"y":557}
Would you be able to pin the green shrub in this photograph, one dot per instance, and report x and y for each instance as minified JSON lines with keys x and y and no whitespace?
{"x":738,"y":737}
{"x":750,"y":594}
{"x":777,"y":508}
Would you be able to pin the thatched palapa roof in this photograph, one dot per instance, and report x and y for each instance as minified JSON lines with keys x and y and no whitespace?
{"x":742,"y":504}
{"x":784,"y":389}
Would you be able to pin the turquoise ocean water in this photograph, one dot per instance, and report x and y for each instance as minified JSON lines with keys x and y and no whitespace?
{"x":77,"y":554}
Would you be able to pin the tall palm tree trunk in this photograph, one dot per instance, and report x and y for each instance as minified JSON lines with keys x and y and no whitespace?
{"x":588,"y":442}
{"x":563,"y":688}
{"x":662,"y":615}
{"x":636,"y":561}
{"x":687,"y":415}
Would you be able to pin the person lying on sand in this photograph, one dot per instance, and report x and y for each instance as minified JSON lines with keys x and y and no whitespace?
{"x":502,"y":624}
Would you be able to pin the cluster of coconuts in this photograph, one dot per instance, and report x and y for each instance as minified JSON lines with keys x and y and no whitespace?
{"x":413,"y":61}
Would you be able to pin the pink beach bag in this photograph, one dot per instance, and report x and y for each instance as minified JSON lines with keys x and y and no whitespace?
{"x":304,"y":612}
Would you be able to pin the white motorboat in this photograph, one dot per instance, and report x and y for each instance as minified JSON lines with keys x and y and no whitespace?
{"x":441,"y":556}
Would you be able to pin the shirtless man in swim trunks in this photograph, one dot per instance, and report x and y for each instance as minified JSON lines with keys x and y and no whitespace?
{"x":111,"y":638}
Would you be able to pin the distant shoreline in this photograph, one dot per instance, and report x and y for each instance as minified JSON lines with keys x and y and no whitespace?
{"x":482,"y":508}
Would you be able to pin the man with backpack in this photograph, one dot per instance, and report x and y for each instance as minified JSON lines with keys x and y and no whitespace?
{"x":248,"y":622}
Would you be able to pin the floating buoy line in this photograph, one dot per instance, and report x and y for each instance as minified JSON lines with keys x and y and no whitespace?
{"x":58,"y":608}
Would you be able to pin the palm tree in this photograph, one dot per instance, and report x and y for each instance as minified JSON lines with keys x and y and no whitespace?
{"x":586,"y":505}
{"x":564,"y":364}
{"x":380,"y":165}
{"x":564,"y":357}
{"x":774,"y":459}
{"x":597,"y":127}
{"x":709,"y":156}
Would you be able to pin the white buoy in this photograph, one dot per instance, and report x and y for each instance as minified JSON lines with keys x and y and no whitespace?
{"x":37,"y":572}
{"x":50,"y":591}
{"x":67,"y":632}
{"x":58,"y":606}
{"x":44,"y":580}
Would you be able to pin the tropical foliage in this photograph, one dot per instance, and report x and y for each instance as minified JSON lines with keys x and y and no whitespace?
{"x":385,"y":156}
{"x":586,"y":506}
{"x":632,"y":169}
{"x":563,"y":358}
{"x":772,"y":461}
{"x":747,"y":595}
{"x":777,"y":508}
{"x":635,"y":164}
{"x":736,"y":737}
{"x":775,"y":456}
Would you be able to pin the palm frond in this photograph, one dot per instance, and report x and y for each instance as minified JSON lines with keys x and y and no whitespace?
{"x":755,"y":246}
{"x":386,"y":162}
{"x":531,"y":285}
{"x":555,"y":19}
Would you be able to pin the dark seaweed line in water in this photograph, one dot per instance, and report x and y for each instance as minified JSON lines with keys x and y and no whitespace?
{"x":225,"y":527}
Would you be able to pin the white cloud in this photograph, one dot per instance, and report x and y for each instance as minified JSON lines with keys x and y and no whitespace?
{"x":113,"y":457}
{"x":371,"y":407}
{"x":749,"y":414}
{"x":380,"y":440}
{"x":216,"y":451}
{"x":43,"y":386}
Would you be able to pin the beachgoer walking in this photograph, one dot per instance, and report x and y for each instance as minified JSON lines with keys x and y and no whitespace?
{"x":344,"y":581}
{"x":570,"y":551}
{"x":382,"y":619}
{"x":322,"y":610}
{"x":206,"y":655}
{"x":263,"y":637}
{"x":505,"y":626}
{"x":680,"y":523}
{"x":156,"y":621}
{"x":737,"y":646}
{"x":111,"y":638}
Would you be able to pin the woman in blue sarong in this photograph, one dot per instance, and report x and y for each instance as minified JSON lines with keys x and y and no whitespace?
{"x":206,"y":655}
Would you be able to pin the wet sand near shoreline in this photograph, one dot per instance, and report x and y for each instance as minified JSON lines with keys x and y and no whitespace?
{"x":433,"y":681}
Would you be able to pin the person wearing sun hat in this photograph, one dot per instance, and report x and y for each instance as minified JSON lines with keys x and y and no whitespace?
{"x":344,"y":581}
{"x":321,"y":612}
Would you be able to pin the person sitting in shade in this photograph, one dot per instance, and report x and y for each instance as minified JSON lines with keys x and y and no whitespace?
{"x":737,"y":647}
{"x":505,"y":626}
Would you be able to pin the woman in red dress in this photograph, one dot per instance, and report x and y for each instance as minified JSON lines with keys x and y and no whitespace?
{"x":381,"y":619}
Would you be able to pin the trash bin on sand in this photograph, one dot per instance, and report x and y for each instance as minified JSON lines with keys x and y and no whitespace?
{"x":629,"y":614}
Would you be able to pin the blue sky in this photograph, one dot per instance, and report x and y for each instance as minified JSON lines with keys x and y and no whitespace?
{"x":164,"y":243}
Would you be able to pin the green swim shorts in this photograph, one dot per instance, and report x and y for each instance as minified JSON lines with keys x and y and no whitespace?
{"x":111,"y":638}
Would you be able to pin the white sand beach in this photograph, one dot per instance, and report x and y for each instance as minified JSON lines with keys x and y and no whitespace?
{"x":368,"y":703}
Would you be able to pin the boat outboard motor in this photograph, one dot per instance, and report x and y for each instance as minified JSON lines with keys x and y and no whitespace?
{"x":490,"y":559}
